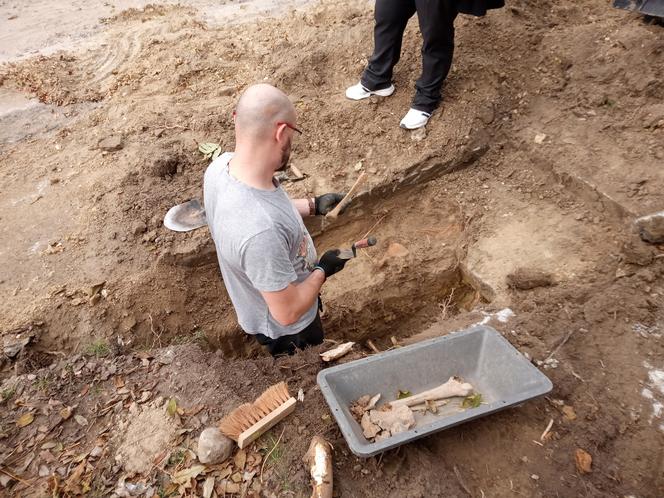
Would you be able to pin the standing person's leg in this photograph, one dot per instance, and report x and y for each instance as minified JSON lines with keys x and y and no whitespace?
{"x":391,"y":18}
{"x":436,"y":19}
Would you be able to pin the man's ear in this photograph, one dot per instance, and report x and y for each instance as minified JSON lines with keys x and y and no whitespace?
{"x":281,"y":133}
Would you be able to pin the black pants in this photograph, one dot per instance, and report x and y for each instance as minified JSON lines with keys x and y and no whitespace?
{"x":436,"y":18}
{"x":310,"y":336}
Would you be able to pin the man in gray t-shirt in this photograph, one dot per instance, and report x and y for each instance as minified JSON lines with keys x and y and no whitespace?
{"x":267,"y":258}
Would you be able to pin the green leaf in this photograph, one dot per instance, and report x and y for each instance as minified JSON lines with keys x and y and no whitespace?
{"x":472,"y":401}
{"x":172,"y":407}
{"x":403,"y":394}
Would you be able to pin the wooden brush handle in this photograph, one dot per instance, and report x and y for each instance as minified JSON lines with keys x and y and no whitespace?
{"x":364,"y":243}
{"x":347,"y":198}
{"x":265,"y":424}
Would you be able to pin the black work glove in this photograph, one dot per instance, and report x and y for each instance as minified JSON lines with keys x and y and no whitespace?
{"x":331,"y":263}
{"x":327,"y":202}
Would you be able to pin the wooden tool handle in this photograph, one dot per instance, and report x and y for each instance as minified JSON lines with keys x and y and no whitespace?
{"x":347,"y":198}
{"x":364,"y":243}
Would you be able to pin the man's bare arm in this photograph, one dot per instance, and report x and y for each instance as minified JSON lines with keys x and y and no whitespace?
{"x":288,"y":305}
{"x":303,"y":206}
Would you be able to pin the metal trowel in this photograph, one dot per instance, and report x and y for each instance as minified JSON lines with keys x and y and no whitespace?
{"x":185,"y":217}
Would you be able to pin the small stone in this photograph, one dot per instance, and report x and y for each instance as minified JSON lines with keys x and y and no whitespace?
{"x":166,"y":357}
{"x":539,"y":138}
{"x":138,"y":228}
{"x":419,"y":134}
{"x":226,"y":91}
{"x":487,"y":114}
{"x":96,"y":452}
{"x":569,"y":413}
{"x":43,"y":471}
{"x":396,"y":250}
{"x":583,"y":461}
{"x":358,"y":166}
{"x":534,"y":477}
{"x":214,"y":447}
{"x":651,"y":227}
{"x":357,"y":468}
{"x":110,"y":144}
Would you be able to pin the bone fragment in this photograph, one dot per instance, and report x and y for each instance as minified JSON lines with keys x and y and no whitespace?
{"x":372,"y":402}
{"x":428,"y":404}
{"x":398,"y":419}
{"x":369,"y":429}
{"x":319,"y":460}
{"x":452,"y":388}
{"x":337,"y":352}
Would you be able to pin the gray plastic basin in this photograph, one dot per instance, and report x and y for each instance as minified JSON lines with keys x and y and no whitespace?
{"x":480,"y":355}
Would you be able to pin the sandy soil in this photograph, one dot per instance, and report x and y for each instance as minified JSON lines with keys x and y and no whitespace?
{"x":549,"y":142}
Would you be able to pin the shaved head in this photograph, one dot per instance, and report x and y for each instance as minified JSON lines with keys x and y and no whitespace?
{"x":259,"y":109}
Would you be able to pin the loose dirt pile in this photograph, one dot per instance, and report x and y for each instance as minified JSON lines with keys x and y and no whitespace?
{"x":548,"y":142}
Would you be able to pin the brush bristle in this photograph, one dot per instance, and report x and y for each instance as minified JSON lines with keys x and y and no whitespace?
{"x":247,"y":414}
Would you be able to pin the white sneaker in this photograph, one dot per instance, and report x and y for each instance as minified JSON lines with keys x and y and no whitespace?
{"x":414,"y":119}
{"x":358,"y":92}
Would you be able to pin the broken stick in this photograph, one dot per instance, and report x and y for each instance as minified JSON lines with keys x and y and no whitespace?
{"x":337,"y":352}
{"x":347,"y":198}
{"x":319,"y":460}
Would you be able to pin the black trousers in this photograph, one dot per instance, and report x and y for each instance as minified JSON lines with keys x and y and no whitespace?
{"x":310,"y":336}
{"x":436,"y":18}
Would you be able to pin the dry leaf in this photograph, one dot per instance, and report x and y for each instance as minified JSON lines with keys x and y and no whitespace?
{"x":229,"y":487}
{"x":81,"y":420}
{"x":65,"y":413}
{"x":583,"y":461}
{"x":25,"y":419}
{"x":118,"y":381}
{"x":240,"y":459}
{"x":225,"y":472}
{"x":569,"y":413}
{"x":184,"y":476}
{"x":72,"y":482}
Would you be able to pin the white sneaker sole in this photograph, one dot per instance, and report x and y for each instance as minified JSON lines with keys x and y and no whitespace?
{"x":414,"y":119}
{"x":385,"y":92}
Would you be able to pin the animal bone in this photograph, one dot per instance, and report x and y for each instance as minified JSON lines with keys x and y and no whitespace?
{"x":337,"y":352}
{"x":398,"y":419}
{"x":319,"y":459}
{"x":452,"y":388}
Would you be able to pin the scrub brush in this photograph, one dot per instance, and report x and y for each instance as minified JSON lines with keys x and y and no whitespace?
{"x":249,"y":421}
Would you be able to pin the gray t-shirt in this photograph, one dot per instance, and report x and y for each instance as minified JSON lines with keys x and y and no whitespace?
{"x":262,"y":245}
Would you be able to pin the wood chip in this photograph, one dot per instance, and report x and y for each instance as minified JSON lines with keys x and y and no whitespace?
{"x":208,"y":487}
